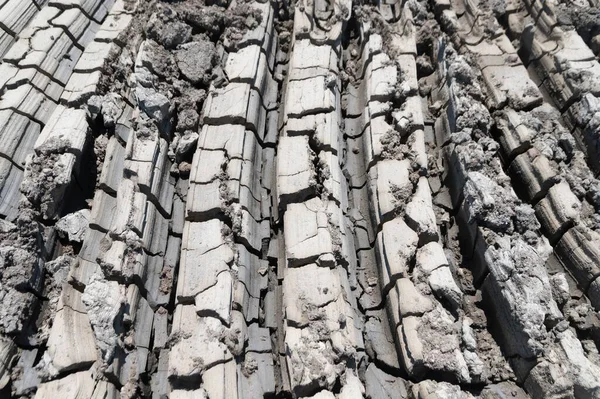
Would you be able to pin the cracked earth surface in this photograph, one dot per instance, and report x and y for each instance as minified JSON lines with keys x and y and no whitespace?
{"x":313,"y":199}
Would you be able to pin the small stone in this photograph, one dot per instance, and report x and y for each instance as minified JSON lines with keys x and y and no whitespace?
{"x":154,"y":104}
{"x":186,"y":145}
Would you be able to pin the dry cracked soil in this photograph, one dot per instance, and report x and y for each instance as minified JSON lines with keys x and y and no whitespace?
{"x":244,"y":199}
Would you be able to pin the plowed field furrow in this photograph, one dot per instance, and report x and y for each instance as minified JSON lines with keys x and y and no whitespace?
{"x":321,"y":199}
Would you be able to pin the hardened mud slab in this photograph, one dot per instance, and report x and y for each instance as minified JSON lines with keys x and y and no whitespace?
{"x":320,"y":199}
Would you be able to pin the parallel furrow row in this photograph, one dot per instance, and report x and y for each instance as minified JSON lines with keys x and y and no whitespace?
{"x":36,"y":72}
{"x":219,"y":344}
{"x":508,"y":250}
{"x":14,"y":17}
{"x":566,"y":69}
{"x":53,"y":179}
{"x":325,"y":199}
{"x":543,"y":158}
{"x":321,"y":336}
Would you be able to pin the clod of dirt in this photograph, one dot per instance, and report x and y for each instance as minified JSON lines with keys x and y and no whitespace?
{"x":586,"y":20}
{"x":187,"y":119}
{"x":73,"y":226}
{"x":104,"y":302}
{"x":196,"y":61}
{"x":209,"y":20}
{"x":165,"y":27}
{"x":158,"y":60}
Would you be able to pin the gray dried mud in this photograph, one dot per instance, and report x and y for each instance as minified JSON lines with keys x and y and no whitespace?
{"x":320,"y":199}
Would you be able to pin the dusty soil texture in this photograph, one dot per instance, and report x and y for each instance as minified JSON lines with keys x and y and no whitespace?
{"x":314,"y":199}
